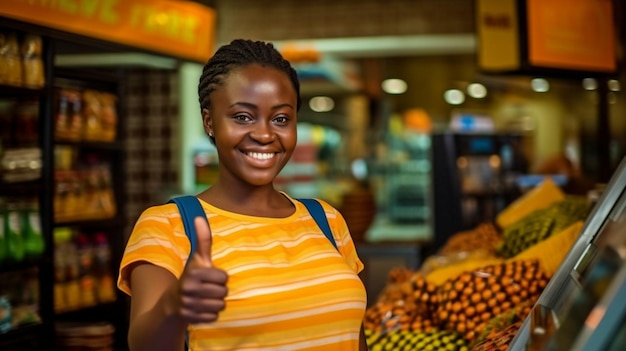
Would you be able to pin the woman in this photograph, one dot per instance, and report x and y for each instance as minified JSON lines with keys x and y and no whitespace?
{"x":264,"y":277}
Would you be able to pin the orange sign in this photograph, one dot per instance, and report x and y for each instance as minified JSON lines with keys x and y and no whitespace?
{"x":572,"y":34}
{"x":176,"y":28}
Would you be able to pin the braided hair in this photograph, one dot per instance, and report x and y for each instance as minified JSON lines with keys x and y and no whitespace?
{"x":238,"y":53}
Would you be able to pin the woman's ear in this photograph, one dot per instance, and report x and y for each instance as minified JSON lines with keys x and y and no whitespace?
{"x":207,"y":122}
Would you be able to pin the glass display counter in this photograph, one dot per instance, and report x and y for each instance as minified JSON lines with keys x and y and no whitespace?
{"x":582,"y":307}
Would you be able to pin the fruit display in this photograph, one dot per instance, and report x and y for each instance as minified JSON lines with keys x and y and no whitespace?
{"x":500,"y":330}
{"x":485,"y":236}
{"x":479,"y":287}
{"x":540,"y":224}
{"x":539,"y":197}
{"x":406,"y":305}
{"x":405,"y":340}
{"x":468,"y":302}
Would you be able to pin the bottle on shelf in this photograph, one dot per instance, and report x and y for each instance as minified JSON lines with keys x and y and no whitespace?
{"x":34,"y":244}
{"x":66,"y":268}
{"x":85,"y":272}
{"x":105,"y":284}
{"x":3,"y":235}
{"x":13,"y":232}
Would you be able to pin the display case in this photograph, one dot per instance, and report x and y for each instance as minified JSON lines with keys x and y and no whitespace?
{"x":88,"y":205}
{"x":26,"y":315}
{"x":580,"y":308}
{"x":60,"y":150}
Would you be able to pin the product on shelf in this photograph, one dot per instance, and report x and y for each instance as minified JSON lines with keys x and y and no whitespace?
{"x":19,"y":299}
{"x":85,"y":336}
{"x":21,"y":62}
{"x":88,"y":115}
{"x":66,"y":268}
{"x":100,"y":115}
{"x":32,"y":49}
{"x":21,"y":164}
{"x":19,"y":123}
{"x":10,"y":59}
{"x":83,"y":272}
{"x":34,"y":244}
{"x":69,"y":121}
{"x":105,"y":282}
{"x":85,"y":193}
{"x":15,"y":251}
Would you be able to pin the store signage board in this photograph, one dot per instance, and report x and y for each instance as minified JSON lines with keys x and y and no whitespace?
{"x":578,"y":35}
{"x":181,"y":29}
{"x":546,"y":36}
{"x":498,"y":35}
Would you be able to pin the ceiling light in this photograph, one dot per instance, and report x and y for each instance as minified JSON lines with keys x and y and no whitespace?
{"x":394,"y":86}
{"x":540,"y":85}
{"x":590,"y":84}
{"x":321,"y":104}
{"x":614,"y":85}
{"x":476,"y":90}
{"x":454,"y":96}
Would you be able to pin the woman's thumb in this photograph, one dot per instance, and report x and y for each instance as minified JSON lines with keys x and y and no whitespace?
{"x":204,"y":240}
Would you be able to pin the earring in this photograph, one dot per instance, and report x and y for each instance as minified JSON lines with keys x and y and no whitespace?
{"x":211,"y":134}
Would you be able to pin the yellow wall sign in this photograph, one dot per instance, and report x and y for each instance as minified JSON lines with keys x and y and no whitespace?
{"x":175,"y":28}
{"x":498,"y":35}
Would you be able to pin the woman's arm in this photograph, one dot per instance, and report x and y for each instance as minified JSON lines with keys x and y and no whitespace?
{"x":154,"y":321}
{"x":363,"y":341}
{"x":162,"y":306}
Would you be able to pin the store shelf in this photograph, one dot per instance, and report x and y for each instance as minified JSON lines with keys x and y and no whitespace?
{"x":93,"y":145}
{"x":97,"y":312}
{"x":23,"y":265}
{"x":11,"y":91}
{"x":18,"y":338}
{"x":100,"y":223}
{"x":29,"y":188}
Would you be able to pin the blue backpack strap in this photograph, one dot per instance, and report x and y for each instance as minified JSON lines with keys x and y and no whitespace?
{"x":319,"y":216}
{"x":189,"y":207}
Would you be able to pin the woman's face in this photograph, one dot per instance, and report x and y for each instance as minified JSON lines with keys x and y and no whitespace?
{"x":253,"y":118}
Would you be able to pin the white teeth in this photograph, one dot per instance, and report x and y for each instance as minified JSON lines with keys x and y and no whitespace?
{"x":260,"y":156}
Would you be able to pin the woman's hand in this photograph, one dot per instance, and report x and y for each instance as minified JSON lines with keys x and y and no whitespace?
{"x":202,"y":286}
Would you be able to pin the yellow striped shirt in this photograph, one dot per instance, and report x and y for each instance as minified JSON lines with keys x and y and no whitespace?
{"x":288,"y":287}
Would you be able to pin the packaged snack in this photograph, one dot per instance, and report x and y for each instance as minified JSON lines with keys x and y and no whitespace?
{"x":32,"y":61}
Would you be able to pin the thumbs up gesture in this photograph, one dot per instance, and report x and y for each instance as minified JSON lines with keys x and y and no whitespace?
{"x":202,"y":286}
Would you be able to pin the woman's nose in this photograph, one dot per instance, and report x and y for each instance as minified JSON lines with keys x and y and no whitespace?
{"x":263,"y":133}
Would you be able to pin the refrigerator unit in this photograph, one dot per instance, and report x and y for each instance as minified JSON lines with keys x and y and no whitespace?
{"x":474,"y":178}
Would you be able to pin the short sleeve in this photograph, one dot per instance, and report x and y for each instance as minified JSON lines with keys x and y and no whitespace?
{"x":157,"y":238}
{"x":342,"y":236}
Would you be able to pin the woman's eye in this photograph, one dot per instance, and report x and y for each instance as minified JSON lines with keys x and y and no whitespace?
{"x":281,"y":120}
{"x":242,"y":118}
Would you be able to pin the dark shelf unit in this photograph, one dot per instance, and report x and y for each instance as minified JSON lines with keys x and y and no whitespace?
{"x":113,"y":151}
{"x":42,"y":336}
{"x":34,"y":336}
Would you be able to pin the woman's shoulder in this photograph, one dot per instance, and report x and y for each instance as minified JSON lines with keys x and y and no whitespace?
{"x":161,"y":213}
{"x":160,"y":209}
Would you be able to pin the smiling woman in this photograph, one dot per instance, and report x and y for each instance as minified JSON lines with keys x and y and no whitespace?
{"x":262,"y":248}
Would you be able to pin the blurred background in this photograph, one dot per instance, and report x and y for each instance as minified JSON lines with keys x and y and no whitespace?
{"x":420,"y":118}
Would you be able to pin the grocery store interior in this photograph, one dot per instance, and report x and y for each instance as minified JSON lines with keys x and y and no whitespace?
{"x":476,"y":150}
